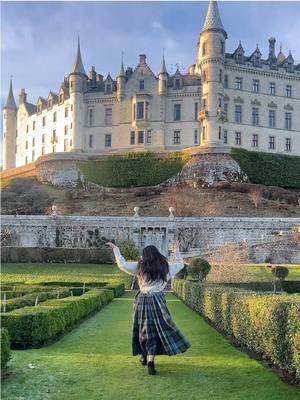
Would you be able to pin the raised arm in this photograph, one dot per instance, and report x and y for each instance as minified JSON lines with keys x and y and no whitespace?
{"x":178,"y":263}
{"x":126,"y":266}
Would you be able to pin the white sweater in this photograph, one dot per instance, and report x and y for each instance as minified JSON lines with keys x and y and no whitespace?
{"x":148,"y":287}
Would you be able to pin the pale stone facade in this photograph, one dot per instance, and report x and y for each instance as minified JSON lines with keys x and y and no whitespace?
{"x":224,"y":100}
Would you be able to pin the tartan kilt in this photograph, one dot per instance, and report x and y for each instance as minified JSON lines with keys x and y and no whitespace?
{"x":154,"y":331}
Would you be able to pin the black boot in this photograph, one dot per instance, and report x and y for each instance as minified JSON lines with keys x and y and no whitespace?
{"x":143,"y":359}
{"x":151,"y":368}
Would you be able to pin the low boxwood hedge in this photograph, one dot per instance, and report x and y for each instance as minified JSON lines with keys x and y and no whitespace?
{"x":266,"y":324}
{"x":5,"y":347}
{"x":35,"y":326}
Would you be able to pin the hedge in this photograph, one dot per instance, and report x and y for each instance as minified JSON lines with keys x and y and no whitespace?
{"x":269,"y":169}
{"x":29,"y":299}
{"x":261,"y":286}
{"x":266,"y":324}
{"x":35,"y":326}
{"x":131,"y":169}
{"x":14,"y":254}
{"x":5,"y":347}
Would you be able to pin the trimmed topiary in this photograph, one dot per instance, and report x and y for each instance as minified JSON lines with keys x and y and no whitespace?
{"x":198,"y":268}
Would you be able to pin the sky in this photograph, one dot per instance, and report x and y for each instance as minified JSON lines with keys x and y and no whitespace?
{"x":39,"y":39}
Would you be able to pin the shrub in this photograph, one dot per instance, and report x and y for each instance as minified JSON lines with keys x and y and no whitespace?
{"x":280,"y":273}
{"x":182,"y":274}
{"x":131,"y":169}
{"x":198,"y":268}
{"x":5,"y":347}
{"x":291,"y":286}
{"x":267,"y":324}
{"x":269,"y":169}
{"x":129,"y":250}
{"x":34,"y":326}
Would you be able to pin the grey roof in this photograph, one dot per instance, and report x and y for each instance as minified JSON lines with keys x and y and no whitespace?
{"x":10,"y":102}
{"x":213,"y":19}
{"x":78,"y":64}
{"x":31,"y":108}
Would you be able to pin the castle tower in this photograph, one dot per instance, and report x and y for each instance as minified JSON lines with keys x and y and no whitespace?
{"x":9,"y":131}
{"x":210,"y":65}
{"x":121,"y":82}
{"x":163,"y":79}
{"x":77,"y":85}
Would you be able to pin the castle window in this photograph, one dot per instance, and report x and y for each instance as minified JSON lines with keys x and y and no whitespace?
{"x":66,"y":145}
{"x":43,"y":138}
{"x":238,"y":83}
{"x":254,"y":140}
{"x":27,"y":128}
{"x":271,"y":142}
{"x":71,"y":142}
{"x":90,"y":117}
{"x":238,"y":138}
{"x":132,"y":137}
{"x":39,"y":108}
{"x":288,"y":91}
{"x":33,"y":125}
{"x":220,"y":76}
{"x":71,"y":125}
{"x":222,"y":48}
{"x":71,"y":107}
{"x":44,"y":121}
{"x":204,"y":46}
{"x":271,"y":118}
{"x":142,"y":84}
{"x":196,"y":136}
{"x":288,"y":120}
{"x":204,"y":103}
{"x":272,"y":88}
{"x":72,"y":85}
{"x":43,"y":150}
{"x":66,"y":112}
{"x":220,"y":102}
{"x":140,"y":137}
{"x":196,"y":112}
{"x":238,"y":114}
{"x":32,"y":155}
{"x":50,"y":103}
{"x":90,"y":141}
{"x":226,"y":81}
{"x":108,"y":140}
{"x":26,"y":160}
{"x":61,"y":98}
{"x":220,"y":133}
{"x":66,"y":129}
{"x":140,"y":110}
{"x":203,"y":133}
{"x":54,"y":116}
{"x":225,"y":136}
{"x":288,"y":145}
{"x":204,"y":76}
{"x":54,"y":148}
{"x":289,"y":67}
{"x":165,"y":83}
{"x":176,"y":137}
{"x":33,"y":142}
{"x":177,"y":84}
{"x":108,"y":116}
{"x":255,"y":86}
{"x":177,"y":112}
{"x":255,"y":116}
{"x":26,"y":144}
{"x":226,"y":110}
{"x":148,"y":138}
{"x":108,"y":88}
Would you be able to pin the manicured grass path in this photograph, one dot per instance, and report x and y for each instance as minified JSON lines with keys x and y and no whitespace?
{"x":94,"y":362}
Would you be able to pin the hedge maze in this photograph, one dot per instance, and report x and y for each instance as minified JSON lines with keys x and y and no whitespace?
{"x":33,"y":315}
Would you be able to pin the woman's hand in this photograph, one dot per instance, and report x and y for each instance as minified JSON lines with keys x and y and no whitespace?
{"x":111,"y":245}
{"x":176,"y":244}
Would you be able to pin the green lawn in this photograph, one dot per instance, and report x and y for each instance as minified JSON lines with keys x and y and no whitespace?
{"x":262,"y":273}
{"x":94,"y":362}
{"x":28,"y":272}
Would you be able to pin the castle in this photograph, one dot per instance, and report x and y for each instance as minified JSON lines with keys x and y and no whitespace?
{"x":224,"y":100}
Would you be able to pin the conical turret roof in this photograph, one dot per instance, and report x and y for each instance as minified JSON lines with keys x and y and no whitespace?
{"x":10,"y":102}
{"x":78,"y":64}
{"x":163,"y":69}
{"x":213,"y":19}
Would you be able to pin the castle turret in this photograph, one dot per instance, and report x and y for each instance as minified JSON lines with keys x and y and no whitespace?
{"x":121,"y":82}
{"x":163,"y":78}
{"x":9,"y":130}
{"x":77,"y":86}
{"x":210,"y":65}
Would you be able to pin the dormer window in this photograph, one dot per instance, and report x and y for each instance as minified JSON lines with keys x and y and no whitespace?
{"x":289,"y":67}
{"x":204,"y":48}
{"x":39,"y":107}
{"x":177,"y":84}
{"x":50,"y":103}
{"x":142,"y":84}
{"x":108,"y":88}
{"x":140,"y":110}
{"x":61,"y":98}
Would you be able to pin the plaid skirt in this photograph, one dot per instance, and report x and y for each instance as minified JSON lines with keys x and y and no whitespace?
{"x":154,"y":331}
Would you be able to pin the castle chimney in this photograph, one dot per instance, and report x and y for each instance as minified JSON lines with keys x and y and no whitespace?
{"x":142,"y":58}
{"x":22,"y":96}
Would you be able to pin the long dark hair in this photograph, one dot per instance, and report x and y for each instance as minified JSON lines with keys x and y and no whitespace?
{"x":153,"y":265}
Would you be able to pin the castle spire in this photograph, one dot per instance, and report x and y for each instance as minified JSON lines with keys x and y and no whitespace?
{"x":163,"y":69}
{"x":78,"y":64}
{"x":10,"y":102}
{"x":122,"y":71}
{"x":213,"y":20}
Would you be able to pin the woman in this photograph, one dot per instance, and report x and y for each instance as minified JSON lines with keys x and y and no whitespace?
{"x":154,"y":331}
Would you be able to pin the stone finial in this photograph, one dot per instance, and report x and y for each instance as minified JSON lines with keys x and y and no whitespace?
{"x":54,"y":210}
{"x":171,"y":210}
{"x":136,"y":211}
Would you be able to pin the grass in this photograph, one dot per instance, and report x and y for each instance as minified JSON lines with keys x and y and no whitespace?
{"x":94,"y":362}
{"x":38,"y":272}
